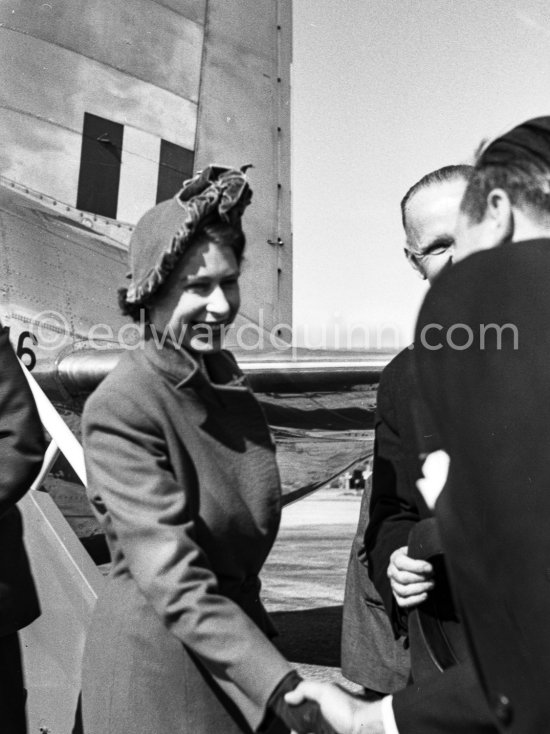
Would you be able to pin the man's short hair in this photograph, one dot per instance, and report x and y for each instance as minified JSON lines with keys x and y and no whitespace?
{"x":527,"y":186}
{"x":442,"y":175}
{"x":517,"y":162}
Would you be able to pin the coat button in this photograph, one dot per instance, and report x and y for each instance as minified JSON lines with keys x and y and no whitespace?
{"x":502,"y":708}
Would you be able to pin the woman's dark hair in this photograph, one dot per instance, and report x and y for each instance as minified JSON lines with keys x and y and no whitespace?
{"x":214,"y":230}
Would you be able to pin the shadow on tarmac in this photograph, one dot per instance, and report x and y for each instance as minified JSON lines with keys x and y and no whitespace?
{"x":310,"y":636}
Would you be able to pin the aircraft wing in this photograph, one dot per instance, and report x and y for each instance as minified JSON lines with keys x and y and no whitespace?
{"x":320,"y":406}
{"x":287,"y":370}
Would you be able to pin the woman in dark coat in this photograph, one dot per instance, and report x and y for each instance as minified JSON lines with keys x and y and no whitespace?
{"x":183,"y":479}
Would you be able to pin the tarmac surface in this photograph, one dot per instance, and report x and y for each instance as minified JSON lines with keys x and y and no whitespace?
{"x":304,"y":579}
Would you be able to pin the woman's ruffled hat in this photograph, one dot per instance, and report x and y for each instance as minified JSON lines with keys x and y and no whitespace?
{"x":164,"y":232}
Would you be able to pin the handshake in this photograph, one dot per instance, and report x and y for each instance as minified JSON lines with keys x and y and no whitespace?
{"x":336,"y":711}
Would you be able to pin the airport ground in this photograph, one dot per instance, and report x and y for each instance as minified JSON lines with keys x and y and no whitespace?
{"x":304,"y":578}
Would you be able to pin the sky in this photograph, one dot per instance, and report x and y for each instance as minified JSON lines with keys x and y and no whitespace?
{"x":384,"y":91}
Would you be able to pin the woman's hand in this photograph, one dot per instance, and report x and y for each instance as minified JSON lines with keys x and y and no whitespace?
{"x":346,"y":713}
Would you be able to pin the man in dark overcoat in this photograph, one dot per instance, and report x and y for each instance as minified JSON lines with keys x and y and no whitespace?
{"x":492,"y":373}
{"x":21,"y":453}
{"x":375,"y":611}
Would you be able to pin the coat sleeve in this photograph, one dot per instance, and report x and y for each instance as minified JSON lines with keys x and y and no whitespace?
{"x":154,"y":519}
{"x":451,"y":702}
{"x":370,"y":655}
{"x":21,"y":433}
{"x":393,"y":509}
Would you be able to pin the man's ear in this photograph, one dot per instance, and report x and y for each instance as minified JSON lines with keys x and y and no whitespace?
{"x":415,"y":262}
{"x":500,"y":215}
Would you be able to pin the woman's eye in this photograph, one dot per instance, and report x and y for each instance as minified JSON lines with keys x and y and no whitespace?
{"x":198,"y":287}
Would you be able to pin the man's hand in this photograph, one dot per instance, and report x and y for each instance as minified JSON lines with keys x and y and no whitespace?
{"x":346,"y":713}
{"x":410,"y":579}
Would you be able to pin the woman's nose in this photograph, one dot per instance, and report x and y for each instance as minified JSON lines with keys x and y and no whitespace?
{"x":218,"y":305}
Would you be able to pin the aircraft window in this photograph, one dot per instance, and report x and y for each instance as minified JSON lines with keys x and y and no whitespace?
{"x":175,"y":165}
{"x":100,"y":165}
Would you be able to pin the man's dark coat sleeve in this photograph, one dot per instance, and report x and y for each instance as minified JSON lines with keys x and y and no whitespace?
{"x":393,"y":509}
{"x":21,"y":451}
{"x":370,"y":656}
{"x":21,"y":434}
{"x":451,"y":702}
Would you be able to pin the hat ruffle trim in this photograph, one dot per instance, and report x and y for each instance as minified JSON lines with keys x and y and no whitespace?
{"x":215,"y":190}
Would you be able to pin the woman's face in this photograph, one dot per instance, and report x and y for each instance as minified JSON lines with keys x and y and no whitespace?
{"x":199,"y":299}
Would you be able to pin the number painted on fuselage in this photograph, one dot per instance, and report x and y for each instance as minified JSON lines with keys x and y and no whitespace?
{"x":26,"y":351}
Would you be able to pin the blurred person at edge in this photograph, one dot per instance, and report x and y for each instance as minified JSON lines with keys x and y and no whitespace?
{"x":374,"y":626}
{"x":490,"y":400}
{"x":21,"y":452}
{"x":183,"y":480}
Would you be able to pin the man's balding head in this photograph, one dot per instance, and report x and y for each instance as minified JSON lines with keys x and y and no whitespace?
{"x":429,"y":212}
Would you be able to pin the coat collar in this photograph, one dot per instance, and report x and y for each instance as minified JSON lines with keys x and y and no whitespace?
{"x":183,"y":369}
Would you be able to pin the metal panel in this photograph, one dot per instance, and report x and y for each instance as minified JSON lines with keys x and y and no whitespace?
{"x":39,"y":153}
{"x":41,"y":121}
{"x":192,"y":9}
{"x":46,"y":88}
{"x":238,"y":124}
{"x":68,"y":583}
{"x":139,"y":174}
{"x":52,"y":83}
{"x":100,"y":162}
{"x":55,"y":265}
{"x":176,"y":165}
{"x":142,"y":38}
{"x":284,"y":222}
